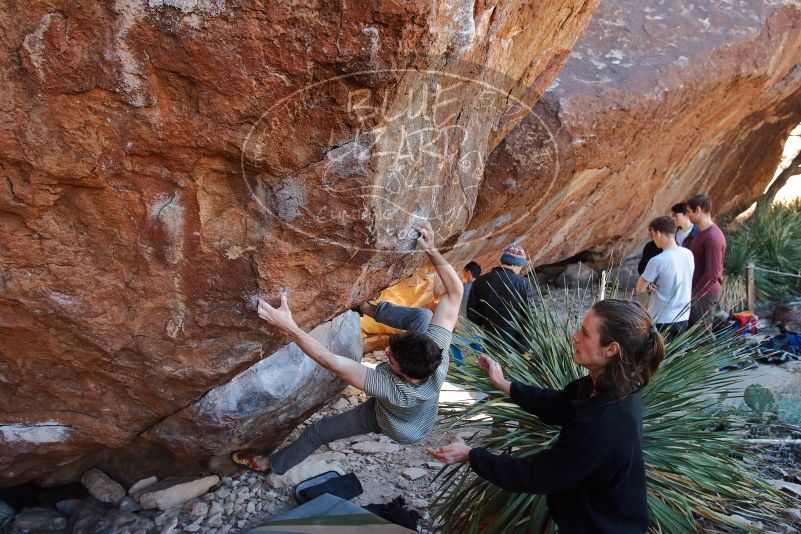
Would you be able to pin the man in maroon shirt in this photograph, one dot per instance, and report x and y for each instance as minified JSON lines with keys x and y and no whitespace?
{"x":709,"y":248}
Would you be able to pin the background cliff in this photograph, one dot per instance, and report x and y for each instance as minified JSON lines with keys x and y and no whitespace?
{"x":659,"y":100}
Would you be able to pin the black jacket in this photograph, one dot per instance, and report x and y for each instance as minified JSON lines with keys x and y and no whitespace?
{"x":594,"y":474}
{"x":494,"y":299}
{"x":649,"y":251}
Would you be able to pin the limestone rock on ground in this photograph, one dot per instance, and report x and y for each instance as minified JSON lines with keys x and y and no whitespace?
{"x":140,"y":485}
{"x":68,"y":506}
{"x":40,"y":520}
{"x":168,"y":493}
{"x":341,"y":404}
{"x":413,"y":473}
{"x":102,"y":488}
{"x":199,"y":509}
{"x":6,"y":512}
{"x":167,"y":521}
{"x":164,"y":163}
{"x":88,"y":508}
{"x":310,"y":467}
{"x":375,"y":447}
{"x":129,"y":505}
{"x":112,"y":522}
{"x":419,"y":503}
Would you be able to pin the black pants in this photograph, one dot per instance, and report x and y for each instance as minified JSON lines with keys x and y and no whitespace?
{"x":703,"y":309}
{"x":671,"y":330}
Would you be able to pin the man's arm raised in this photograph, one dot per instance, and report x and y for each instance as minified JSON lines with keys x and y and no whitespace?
{"x":351,"y":372}
{"x":447,"y":311}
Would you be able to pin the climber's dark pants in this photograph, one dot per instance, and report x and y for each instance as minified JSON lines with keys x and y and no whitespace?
{"x":355,"y":422}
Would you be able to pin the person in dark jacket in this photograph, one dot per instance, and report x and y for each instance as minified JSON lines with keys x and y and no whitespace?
{"x":594,"y":473}
{"x":649,"y":251}
{"x":470,"y":274}
{"x":497,"y":297}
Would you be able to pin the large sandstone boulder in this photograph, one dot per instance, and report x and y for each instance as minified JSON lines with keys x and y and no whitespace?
{"x":286,"y":387}
{"x":165,"y":161}
{"x":659,"y":100}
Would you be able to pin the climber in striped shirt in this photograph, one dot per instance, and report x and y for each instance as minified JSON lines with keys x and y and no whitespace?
{"x":404,"y":392}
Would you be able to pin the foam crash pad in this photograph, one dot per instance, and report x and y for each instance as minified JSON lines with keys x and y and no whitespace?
{"x":329,"y":514}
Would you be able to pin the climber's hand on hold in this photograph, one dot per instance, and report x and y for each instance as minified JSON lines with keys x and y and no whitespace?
{"x":280,"y":317}
{"x":354,"y":373}
{"x":426,"y":241}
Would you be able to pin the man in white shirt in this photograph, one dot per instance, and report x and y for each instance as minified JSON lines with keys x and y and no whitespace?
{"x":668,"y":278}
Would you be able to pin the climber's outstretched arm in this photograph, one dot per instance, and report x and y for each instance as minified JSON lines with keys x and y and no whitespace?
{"x":351,"y":372}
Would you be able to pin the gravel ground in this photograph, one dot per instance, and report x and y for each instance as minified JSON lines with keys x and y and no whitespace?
{"x":386,"y":471}
{"x":244,"y":499}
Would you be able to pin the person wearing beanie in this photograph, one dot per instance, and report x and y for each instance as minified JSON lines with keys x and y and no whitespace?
{"x":514,"y":255}
{"x":496,"y":298}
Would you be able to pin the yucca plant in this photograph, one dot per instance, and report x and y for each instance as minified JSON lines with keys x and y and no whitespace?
{"x":771,"y":240}
{"x":694,"y":471}
{"x":734,"y":294}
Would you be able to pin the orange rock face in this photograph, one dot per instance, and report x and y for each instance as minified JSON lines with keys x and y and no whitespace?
{"x":164,"y":162}
{"x":659,"y":101}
